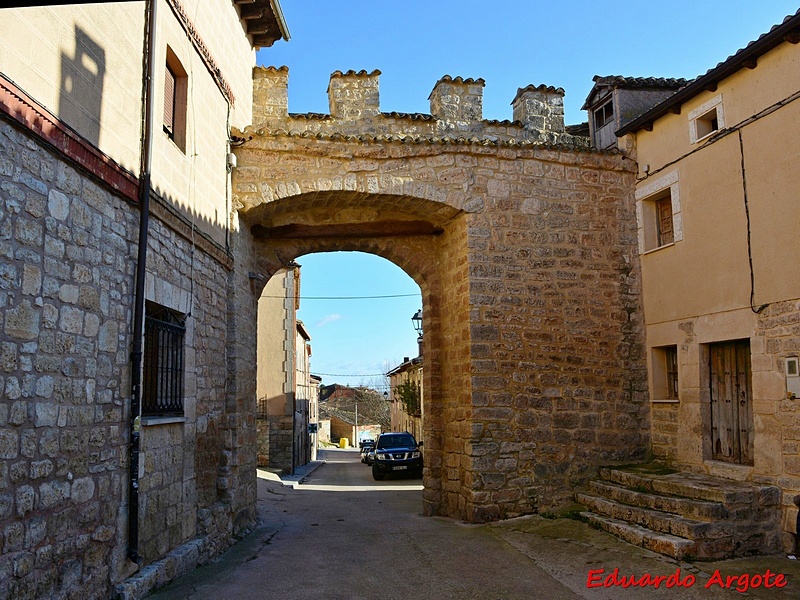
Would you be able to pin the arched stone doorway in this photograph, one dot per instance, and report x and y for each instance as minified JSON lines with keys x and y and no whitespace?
{"x":523,"y":243}
{"x":420,"y":237}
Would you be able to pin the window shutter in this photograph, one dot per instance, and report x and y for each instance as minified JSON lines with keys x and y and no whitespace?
{"x":664,"y":216}
{"x":169,"y":102}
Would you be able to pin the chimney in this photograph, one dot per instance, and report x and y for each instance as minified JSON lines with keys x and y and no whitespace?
{"x":540,"y":108}
{"x":353,"y":96}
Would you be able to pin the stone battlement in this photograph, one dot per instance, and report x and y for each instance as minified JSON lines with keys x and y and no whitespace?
{"x":456,"y":111}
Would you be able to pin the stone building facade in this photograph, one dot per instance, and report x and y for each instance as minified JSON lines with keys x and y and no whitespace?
{"x":84,"y":511}
{"x":406,"y":395}
{"x":523,"y":243}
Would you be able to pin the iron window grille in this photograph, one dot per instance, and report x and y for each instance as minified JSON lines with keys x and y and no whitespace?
{"x":164,"y":333}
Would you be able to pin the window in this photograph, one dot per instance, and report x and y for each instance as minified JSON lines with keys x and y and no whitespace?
{"x":175,"y":91}
{"x":707,"y":124}
{"x":604,"y":115}
{"x":706,"y":119}
{"x":169,"y":103}
{"x":162,"y":392}
{"x":792,"y":377}
{"x":659,"y":230}
{"x":663,"y":208}
{"x":658,"y":212}
{"x":664,"y":366}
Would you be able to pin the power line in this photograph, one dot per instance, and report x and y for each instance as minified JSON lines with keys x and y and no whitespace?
{"x":346,"y":297}
{"x":343,"y":375}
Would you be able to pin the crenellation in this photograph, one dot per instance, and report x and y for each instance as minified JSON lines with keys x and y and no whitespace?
{"x":354,"y":96}
{"x":457,"y":103}
{"x":271,"y":85}
{"x":456,"y":113}
{"x":540,"y":108}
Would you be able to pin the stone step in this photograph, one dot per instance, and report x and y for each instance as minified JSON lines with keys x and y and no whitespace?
{"x":663,"y":543}
{"x":695,"y":486}
{"x":656,"y":520}
{"x":695,"y":509}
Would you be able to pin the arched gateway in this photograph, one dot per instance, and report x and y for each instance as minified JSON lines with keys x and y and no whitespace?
{"x":523,"y":242}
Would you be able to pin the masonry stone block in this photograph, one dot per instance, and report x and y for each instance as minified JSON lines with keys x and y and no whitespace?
{"x":9,"y":444}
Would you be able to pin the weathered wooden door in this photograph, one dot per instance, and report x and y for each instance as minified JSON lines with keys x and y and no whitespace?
{"x":731,"y":402}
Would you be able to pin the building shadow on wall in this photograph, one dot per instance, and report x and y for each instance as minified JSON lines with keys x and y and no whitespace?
{"x":81,"y":91}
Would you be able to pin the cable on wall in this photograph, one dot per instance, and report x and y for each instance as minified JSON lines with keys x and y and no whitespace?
{"x":749,"y":245}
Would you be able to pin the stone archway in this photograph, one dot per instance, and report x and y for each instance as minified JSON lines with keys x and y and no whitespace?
{"x":418,"y":236}
{"x":523,"y":243}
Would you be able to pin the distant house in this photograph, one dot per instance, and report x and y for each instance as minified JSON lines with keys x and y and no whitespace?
{"x":614,"y":101}
{"x":405,"y":382}
{"x":354,"y":412}
{"x":286,"y":390}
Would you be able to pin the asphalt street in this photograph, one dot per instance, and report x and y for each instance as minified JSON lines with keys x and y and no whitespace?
{"x":334,"y":533}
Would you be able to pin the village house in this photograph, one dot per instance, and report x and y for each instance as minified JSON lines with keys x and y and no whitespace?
{"x":287,"y":394}
{"x":118,"y":260}
{"x":717,"y":218}
{"x":715,"y":210}
{"x":352,"y":413}
{"x":405,"y":383}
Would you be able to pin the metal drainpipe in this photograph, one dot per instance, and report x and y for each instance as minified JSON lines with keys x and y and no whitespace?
{"x":138,"y":308}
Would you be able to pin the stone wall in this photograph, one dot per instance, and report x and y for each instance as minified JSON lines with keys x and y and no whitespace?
{"x":65,"y":309}
{"x":68,"y":249}
{"x":181,"y":458}
{"x":523,"y":243}
{"x":664,"y":418}
{"x":778,"y":416}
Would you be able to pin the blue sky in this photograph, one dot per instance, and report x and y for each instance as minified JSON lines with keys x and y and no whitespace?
{"x":509,"y":44}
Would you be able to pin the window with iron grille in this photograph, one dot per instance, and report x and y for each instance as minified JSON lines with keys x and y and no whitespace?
{"x":162,"y":391}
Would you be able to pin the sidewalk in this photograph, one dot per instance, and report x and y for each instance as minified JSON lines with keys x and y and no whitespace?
{"x":300,"y":473}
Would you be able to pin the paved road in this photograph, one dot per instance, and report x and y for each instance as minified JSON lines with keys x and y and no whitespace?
{"x":338,"y":534}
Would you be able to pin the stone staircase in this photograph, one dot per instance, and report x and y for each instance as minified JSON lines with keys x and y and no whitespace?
{"x":684,"y":515}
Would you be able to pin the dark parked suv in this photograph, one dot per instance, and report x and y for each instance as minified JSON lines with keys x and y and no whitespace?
{"x":397,"y":453}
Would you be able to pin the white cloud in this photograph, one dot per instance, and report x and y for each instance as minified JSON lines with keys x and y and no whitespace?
{"x":328,"y":319}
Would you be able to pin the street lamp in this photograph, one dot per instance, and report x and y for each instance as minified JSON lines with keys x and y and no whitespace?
{"x":417,"y":321}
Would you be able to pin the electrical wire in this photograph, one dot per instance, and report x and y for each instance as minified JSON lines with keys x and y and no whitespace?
{"x":749,"y":243}
{"x":344,"y":297}
{"x":313,"y":372}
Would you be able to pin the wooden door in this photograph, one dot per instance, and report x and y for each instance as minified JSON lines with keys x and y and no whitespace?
{"x":731,"y":402}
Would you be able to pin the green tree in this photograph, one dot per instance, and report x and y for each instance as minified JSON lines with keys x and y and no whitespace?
{"x":408,"y":393}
